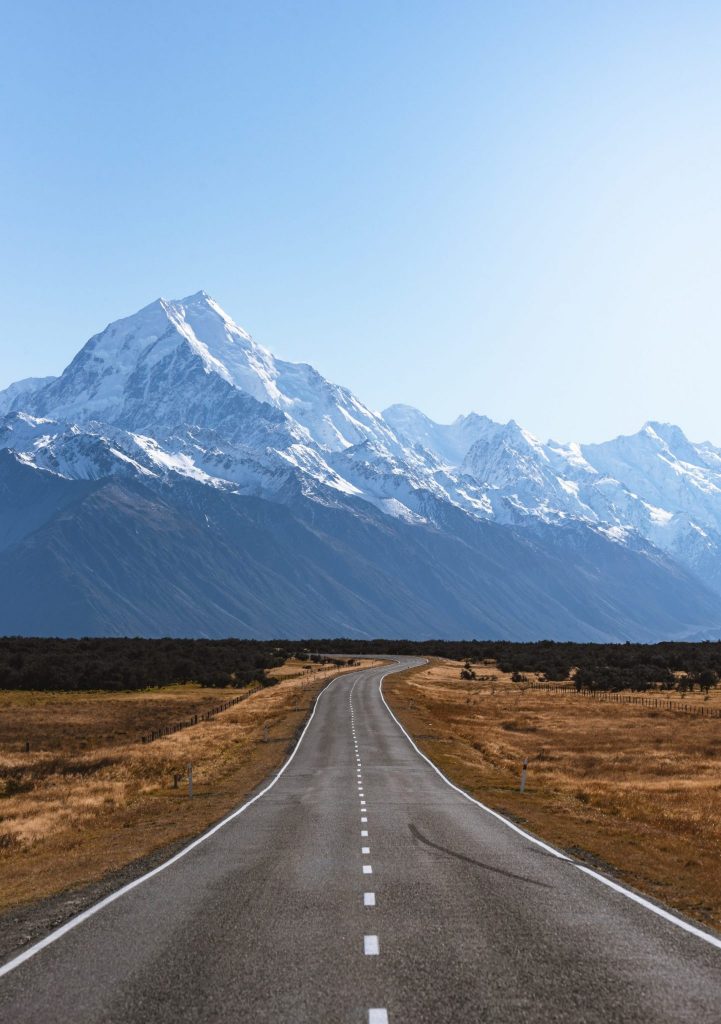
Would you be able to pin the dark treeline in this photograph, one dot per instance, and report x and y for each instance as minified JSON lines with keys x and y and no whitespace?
{"x":668,"y":665}
{"x":133,"y":664}
{"x":128,"y":664}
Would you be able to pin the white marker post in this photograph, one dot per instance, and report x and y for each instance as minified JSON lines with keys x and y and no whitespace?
{"x":523,"y":774}
{"x":190,"y":780}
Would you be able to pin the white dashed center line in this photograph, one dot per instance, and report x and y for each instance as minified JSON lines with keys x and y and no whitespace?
{"x":370,"y":945}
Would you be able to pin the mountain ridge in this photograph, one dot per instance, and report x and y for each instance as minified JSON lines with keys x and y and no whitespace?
{"x":178,"y":399}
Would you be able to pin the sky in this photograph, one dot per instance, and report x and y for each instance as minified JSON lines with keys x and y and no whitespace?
{"x":512,"y":208}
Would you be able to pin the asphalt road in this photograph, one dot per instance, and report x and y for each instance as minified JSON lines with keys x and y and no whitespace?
{"x":362,"y":888}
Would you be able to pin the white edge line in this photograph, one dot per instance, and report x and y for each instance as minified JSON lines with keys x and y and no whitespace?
{"x":91,"y":911}
{"x":647,"y":904}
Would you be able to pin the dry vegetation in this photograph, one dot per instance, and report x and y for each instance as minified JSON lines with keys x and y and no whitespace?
{"x":635,"y":790}
{"x":89,"y":797}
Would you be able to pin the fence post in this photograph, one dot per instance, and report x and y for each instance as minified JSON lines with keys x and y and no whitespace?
{"x":190,"y":780}
{"x":523,"y":774}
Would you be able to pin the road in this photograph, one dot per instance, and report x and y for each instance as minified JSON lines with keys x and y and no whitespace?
{"x":361,"y":887}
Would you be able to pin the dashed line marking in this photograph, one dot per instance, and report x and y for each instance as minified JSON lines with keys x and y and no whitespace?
{"x":367,"y":869}
{"x":364,"y":832}
{"x":369,"y":899}
{"x":378,"y":1016}
{"x":364,"y":819}
{"x":370,"y":945}
{"x":365,"y":849}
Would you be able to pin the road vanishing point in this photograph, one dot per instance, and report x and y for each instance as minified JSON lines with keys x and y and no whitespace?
{"x":359,"y":885}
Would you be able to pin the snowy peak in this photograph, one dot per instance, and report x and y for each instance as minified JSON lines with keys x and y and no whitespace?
{"x":17,"y":394}
{"x":178,"y":389}
{"x":448,"y":442}
{"x":121,"y":359}
{"x":172,"y":359}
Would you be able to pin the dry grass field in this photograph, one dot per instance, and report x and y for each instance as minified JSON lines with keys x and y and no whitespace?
{"x":89,"y":797}
{"x":630,"y":789}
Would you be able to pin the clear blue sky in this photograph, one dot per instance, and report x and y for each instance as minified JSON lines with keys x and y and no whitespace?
{"x":509,"y":207}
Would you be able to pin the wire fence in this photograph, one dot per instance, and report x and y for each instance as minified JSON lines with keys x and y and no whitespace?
{"x":204,"y":716}
{"x":656,"y":703}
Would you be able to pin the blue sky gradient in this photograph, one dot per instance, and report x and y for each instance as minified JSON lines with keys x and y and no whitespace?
{"x":506,"y":207}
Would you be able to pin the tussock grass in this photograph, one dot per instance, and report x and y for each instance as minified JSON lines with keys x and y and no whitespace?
{"x":637,"y":789}
{"x":89,"y":797}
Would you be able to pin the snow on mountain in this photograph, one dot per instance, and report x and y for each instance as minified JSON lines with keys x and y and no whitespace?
{"x":178,"y":390}
{"x":449,"y":442}
{"x":655,"y":484}
{"x":114,"y":378}
{"x":211,"y":402}
{"x":14,"y":396}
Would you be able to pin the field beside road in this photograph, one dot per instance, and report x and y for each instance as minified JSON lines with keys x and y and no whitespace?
{"x":89,"y":797}
{"x":632,"y":790}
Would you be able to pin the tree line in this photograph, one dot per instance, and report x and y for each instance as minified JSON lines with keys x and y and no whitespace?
{"x":134,"y":663}
{"x":28,"y":663}
{"x":623,"y":666}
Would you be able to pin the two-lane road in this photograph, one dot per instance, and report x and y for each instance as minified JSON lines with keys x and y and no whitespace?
{"x":362,"y":887}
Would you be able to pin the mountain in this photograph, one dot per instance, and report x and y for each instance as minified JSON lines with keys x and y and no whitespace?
{"x":655,"y":484}
{"x":21,"y":389}
{"x":179,"y":479}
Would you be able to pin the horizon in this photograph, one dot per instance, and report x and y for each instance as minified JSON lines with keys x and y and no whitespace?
{"x":482,"y":191}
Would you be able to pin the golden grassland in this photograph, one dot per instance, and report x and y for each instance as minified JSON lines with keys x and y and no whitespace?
{"x":90,"y":798}
{"x":634,"y":790}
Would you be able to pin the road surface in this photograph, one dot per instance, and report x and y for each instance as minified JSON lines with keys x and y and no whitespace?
{"x":361,"y":887}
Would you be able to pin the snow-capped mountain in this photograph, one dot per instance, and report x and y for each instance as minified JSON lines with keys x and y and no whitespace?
{"x":187,"y":390}
{"x":654,"y":484}
{"x":180,"y":412}
{"x":13,"y":396}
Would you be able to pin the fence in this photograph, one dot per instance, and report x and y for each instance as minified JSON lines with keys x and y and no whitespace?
{"x":657,"y":703}
{"x":205,"y":716}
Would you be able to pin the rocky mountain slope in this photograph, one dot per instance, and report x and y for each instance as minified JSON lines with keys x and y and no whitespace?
{"x":179,"y":479}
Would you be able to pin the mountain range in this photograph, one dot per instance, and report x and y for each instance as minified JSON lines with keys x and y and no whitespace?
{"x":178,"y":479}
